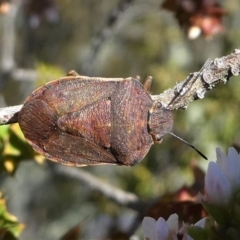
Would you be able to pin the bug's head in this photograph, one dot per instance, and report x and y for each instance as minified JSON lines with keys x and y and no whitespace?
{"x":160,"y":121}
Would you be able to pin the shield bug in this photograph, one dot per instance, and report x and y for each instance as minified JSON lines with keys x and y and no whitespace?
{"x":78,"y":120}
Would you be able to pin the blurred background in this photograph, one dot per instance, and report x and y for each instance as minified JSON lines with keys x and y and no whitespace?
{"x":42,"y":40}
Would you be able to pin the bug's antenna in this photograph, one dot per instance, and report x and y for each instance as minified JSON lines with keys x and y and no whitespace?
{"x":190,"y":145}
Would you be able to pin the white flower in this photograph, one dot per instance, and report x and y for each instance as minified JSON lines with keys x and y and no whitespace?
{"x":222,"y":179}
{"x":218,"y":190}
{"x":160,"y":229}
{"x":230,"y":165}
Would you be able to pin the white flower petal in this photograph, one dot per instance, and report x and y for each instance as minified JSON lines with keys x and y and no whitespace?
{"x":162,"y":229}
{"x":172,"y":223}
{"x":218,"y":189}
{"x":221,"y":158}
{"x":149,"y":228}
{"x":201,"y":223}
{"x":230,"y":165}
{"x":233,"y":168}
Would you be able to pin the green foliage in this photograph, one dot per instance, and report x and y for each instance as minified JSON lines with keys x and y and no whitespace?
{"x":10,"y":228}
{"x":48,"y":72}
{"x":197,"y":233}
{"x":14,"y":149}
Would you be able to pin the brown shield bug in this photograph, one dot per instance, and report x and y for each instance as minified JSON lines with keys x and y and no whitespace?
{"x":78,"y":120}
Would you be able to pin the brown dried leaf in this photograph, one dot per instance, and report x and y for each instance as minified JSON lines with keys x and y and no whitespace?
{"x":197,"y":17}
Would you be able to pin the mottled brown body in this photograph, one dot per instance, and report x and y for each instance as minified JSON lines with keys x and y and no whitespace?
{"x":79,"y":120}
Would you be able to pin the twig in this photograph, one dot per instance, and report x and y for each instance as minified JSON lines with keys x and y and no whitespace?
{"x":111,"y":192}
{"x":7,"y":43}
{"x":22,"y":74}
{"x":9,"y":115}
{"x":198,"y":83}
{"x":192,"y":88}
{"x":103,"y":35}
{"x":7,"y":62}
{"x":119,"y":196}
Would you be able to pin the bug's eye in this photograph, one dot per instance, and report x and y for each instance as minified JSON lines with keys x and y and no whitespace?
{"x":159,"y":105}
{"x":158,"y":138}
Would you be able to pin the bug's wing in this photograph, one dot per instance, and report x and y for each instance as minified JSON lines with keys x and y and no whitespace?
{"x":73,"y":94}
{"x":38,"y":123}
{"x":71,"y":150}
{"x":92,"y":122}
{"x":130,"y":140}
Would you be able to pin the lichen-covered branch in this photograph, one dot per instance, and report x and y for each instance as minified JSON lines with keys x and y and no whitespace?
{"x":192,"y":88}
{"x":9,"y":115}
{"x":198,"y":83}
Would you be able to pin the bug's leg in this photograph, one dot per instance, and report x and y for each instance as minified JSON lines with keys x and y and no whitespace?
{"x":137,"y":77}
{"x":147,"y":83}
{"x":72,"y":73}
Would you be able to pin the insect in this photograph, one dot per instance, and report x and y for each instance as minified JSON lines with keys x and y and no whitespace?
{"x":79,"y":120}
